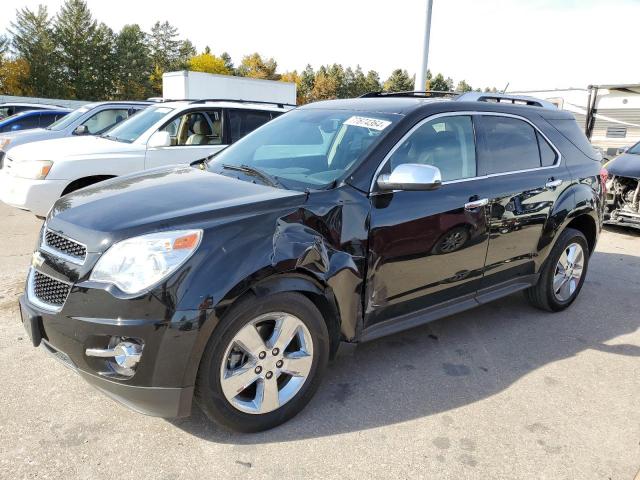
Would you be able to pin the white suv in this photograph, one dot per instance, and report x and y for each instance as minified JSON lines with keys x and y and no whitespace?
{"x":35,"y":175}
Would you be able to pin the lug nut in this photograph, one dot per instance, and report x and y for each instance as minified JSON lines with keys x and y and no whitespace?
{"x":275,"y":351}
{"x":269,"y":375}
{"x":258,"y":369}
{"x":279,"y":364}
{"x":261,"y":355}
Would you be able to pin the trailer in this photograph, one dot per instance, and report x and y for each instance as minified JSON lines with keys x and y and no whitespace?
{"x":610,"y":114}
{"x":185,"y":84}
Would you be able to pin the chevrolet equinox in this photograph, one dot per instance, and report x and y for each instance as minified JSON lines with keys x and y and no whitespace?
{"x":233,"y":281}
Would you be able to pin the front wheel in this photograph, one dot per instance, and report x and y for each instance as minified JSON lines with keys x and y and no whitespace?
{"x":263,"y":363}
{"x":563,"y":274}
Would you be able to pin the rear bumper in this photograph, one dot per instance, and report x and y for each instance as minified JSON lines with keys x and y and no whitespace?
{"x":35,"y":195}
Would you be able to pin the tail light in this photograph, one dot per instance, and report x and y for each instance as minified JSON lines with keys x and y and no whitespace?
{"x":604,"y":176}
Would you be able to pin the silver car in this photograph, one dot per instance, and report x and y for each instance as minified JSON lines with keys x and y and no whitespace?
{"x":90,"y":119}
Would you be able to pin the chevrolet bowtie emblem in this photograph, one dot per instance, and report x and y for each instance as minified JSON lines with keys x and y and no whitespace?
{"x":37,"y":260}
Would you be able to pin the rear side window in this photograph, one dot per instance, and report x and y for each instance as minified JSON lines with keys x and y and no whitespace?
{"x":548,"y":155}
{"x":506,"y":144}
{"x":47,"y":119}
{"x":242,"y":122}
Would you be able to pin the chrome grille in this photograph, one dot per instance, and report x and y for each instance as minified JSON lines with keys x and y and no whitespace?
{"x":49,"y":290}
{"x":65,"y":245}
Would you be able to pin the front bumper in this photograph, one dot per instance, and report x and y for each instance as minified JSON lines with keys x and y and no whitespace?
{"x":623,"y":218}
{"x":156,"y":389}
{"x":38,"y":196}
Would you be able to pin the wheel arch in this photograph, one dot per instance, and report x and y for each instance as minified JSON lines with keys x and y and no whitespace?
{"x":85,"y":182}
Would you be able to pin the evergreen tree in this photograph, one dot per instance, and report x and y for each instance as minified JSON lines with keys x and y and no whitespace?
{"x":134,"y":64}
{"x":32,"y":41}
{"x":164,"y":46}
{"x":399,"y":81}
{"x":228,"y":63}
{"x":86,"y":52}
{"x":373,"y":83}
{"x":439,"y":83}
{"x":307,"y":81}
{"x":186,"y":50}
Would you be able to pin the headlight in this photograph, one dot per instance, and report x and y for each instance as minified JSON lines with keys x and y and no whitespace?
{"x":138,"y":263}
{"x":34,"y":169}
{"x":4,"y":142}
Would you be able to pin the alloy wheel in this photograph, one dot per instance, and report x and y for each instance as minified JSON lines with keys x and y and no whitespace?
{"x":568,"y":272}
{"x":266,"y":363}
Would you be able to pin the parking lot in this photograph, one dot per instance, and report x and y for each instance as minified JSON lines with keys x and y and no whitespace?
{"x":503,"y":391}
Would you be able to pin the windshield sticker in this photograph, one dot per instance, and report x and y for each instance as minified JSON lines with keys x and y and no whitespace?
{"x":365,"y":122}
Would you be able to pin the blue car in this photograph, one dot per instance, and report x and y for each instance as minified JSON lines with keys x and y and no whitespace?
{"x":31,"y":119}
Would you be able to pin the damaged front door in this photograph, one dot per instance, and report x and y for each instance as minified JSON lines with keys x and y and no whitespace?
{"x":427,"y":248}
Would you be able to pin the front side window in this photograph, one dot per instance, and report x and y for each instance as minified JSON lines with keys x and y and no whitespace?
{"x":195,"y":128}
{"x":133,"y":127}
{"x":307,"y":148}
{"x":506,"y":144}
{"x":105,"y":119}
{"x":635,"y":149}
{"x":444,"y":142}
{"x":242,"y":122}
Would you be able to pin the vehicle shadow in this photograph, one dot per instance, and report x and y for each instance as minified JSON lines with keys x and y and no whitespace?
{"x":459,"y":360}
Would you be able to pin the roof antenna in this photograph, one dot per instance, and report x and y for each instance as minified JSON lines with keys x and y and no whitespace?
{"x":505,"y":88}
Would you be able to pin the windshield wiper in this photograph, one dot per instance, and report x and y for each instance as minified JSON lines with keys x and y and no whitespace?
{"x":270,"y":179}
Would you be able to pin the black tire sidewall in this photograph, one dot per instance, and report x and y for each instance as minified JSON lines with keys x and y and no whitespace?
{"x":209,"y":390}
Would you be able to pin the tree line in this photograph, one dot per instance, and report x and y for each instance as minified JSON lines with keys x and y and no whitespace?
{"x":71,"y":55}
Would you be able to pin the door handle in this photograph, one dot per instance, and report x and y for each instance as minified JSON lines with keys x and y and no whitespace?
{"x":551,"y":183}
{"x":476,"y":204}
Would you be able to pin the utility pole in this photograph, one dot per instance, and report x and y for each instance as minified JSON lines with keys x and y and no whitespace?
{"x":421,"y":74}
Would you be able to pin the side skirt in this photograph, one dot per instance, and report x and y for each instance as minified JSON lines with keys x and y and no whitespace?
{"x":444,"y":309}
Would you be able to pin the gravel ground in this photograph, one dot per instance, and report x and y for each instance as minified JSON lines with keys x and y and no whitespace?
{"x":503,"y":391}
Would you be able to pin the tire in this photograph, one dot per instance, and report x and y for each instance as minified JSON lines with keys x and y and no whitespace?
{"x":226,"y":348}
{"x":543,"y":294}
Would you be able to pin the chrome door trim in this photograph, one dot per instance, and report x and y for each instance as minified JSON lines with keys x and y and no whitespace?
{"x":480,"y":177}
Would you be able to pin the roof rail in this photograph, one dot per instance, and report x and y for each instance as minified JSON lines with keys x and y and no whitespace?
{"x":416,"y":93}
{"x":504,"y":98}
{"x":240,"y":100}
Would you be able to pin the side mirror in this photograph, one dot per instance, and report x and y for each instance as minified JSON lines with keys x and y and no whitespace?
{"x":81,"y":130}
{"x":411,"y":176}
{"x":159,"y":139}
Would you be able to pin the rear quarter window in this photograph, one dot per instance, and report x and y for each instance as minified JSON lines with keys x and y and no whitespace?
{"x":572,"y":132}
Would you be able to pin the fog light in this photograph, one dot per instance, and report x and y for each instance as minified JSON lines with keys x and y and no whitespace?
{"x":123,"y":355}
{"x":127,"y":354}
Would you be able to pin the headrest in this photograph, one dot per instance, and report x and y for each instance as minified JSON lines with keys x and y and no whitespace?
{"x":200,"y":127}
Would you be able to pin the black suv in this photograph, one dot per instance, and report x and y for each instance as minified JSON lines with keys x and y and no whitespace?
{"x":233,"y":281}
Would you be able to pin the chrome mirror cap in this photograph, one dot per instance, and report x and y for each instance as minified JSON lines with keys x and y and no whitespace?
{"x":411,"y":176}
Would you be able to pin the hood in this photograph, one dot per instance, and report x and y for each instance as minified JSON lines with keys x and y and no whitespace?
{"x":159,"y":199}
{"x":626,"y":165}
{"x":31,"y":135}
{"x":71,"y":148}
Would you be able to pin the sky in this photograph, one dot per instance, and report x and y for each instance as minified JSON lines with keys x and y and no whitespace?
{"x":528,"y":44}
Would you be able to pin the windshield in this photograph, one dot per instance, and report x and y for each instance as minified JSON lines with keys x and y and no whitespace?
{"x":635,"y":149}
{"x":130,"y":129}
{"x":307,"y":148}
{"x":67,"y":120}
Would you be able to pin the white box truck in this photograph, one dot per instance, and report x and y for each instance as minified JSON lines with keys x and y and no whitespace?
{"x":197,"y":85}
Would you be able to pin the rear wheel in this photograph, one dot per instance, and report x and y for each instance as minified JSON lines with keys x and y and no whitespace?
{"x":263,"y":363}
{"x":564,"y":272}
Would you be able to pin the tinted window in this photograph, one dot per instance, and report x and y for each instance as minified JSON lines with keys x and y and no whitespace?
{"x":547,"y":154}
{"x":505,"y":144}
{"x":47,"y":119}
{"x":572,"y":132}
{"x":21,"y":124}
{"x":242,"y":122}
{"x":446,"y":143}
